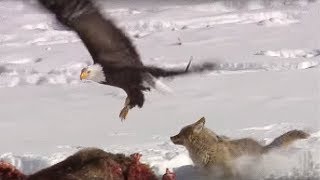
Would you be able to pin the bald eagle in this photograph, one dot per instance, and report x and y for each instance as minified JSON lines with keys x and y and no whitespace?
{"x":116,"y":61}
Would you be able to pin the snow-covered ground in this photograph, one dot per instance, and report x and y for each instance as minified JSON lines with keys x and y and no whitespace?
{"x":267,"y":83}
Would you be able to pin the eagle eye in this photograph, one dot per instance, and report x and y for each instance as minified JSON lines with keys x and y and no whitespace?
{"x":88,"y":71}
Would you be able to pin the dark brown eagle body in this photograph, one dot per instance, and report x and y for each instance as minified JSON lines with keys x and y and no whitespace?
{"x":111,"y":48}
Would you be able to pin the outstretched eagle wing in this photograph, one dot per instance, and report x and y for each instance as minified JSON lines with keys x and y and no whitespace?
{"x":107,"y":44}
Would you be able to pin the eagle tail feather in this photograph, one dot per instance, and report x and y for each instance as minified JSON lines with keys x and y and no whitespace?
{"x":198,"y":68}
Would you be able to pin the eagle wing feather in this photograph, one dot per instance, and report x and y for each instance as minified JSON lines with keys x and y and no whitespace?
{"x":106,"y":43}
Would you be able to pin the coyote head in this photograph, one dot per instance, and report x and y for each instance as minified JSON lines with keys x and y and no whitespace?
{"x":187,"y":133}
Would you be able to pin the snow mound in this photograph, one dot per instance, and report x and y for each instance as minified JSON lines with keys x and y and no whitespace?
{"x":153,"y":24}
{"x":155,"y":19}
{"x":291,"y":53}
{"x":5,"y":37}
{"x":11,"y":74}
{"x":47,"y":37}
{"x":54,"y":37}
{"x":39,"y":26}
{"x":277,"y":21}
{"x":260,"y":4}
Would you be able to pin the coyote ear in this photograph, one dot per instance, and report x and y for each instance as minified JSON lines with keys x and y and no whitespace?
{"x":198,"y":126}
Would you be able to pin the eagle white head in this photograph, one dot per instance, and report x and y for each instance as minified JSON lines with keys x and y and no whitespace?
{"x":93,"y":73}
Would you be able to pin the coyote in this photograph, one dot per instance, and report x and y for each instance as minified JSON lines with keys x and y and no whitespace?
{"x":210,"y":151}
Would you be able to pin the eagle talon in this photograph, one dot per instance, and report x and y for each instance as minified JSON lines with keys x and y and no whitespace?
{"x":124,"y":112}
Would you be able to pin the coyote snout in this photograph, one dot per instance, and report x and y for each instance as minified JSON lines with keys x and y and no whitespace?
{"x":177,"y":140}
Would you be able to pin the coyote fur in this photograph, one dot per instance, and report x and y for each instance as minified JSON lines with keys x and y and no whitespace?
{"x":210,"y":151}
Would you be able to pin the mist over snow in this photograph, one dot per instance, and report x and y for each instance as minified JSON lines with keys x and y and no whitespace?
{"x":266,"y":83}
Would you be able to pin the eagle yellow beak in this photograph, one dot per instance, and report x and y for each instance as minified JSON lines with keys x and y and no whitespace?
{"x":84,"y":75}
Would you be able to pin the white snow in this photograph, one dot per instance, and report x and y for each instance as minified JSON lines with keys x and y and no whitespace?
{"x":266,"y":83}
{"x":295,"y":53}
